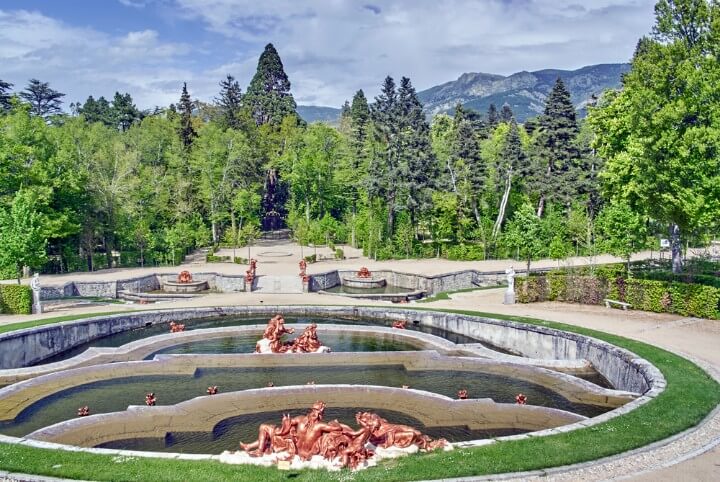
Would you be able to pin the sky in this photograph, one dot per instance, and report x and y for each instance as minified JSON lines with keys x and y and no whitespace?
{"x":330,"y":48}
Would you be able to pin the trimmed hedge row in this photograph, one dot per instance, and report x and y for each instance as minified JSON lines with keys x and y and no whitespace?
{"x":648,"y":295}
{"x":15,"y":300}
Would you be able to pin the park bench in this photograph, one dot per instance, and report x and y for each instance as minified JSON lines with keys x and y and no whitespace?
{"x":610,"y":303}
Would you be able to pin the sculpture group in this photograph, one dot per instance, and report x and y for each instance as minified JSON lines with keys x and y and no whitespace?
{"x":306,"y":436}
{"x":272,"y":341}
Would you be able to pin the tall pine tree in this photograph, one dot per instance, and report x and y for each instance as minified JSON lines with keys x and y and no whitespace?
{"x":558,"y":175}
{"x":43,"y":100}
{"x":230,"y":102}
{"x":418,"y":159}
{"x":359,"y":117}
{"x":385,"y":173}
{"x":123,"y":112}
{"x":465,"y":157}
{"x":506,"y":114}
{"x":493,"y":117}
{"x":185,"y":108}
{"x":268,"y":95}
{"x":5,"y":95}
{"x":96,"y":111}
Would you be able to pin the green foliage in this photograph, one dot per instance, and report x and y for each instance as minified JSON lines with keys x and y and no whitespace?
{"x":622,"y":231}
{"x":647,"y":295}
{"x":22,"y":234}
{"x":268,"y":96}
{"x":660,"y":134}
{"x":15,"y":299}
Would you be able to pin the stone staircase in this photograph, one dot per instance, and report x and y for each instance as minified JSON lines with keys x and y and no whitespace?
{"x":278,"y":284}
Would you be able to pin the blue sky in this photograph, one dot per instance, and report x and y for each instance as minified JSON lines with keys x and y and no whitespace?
{"x":330,"y":48}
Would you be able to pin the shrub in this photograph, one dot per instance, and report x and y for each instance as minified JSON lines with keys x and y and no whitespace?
{"x":311,"y":258}
{"x":466,"y":252}
{"x":647,"y":295}
{"x":15,"y":299}
{"x":210,"y":258}
{"x":339,"y":254}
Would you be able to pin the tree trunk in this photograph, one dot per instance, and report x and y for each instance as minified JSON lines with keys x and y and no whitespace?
{"x":476,"y":212}
{"x":452,"y":176}
{"x":352,"y":231}
{"x":528,"y":266}
{"x":503,"y":206}
{"x":214,"y":232}
{"x":676,"y":247}
{"x":307,"y":210}
{"x":541,"y":206}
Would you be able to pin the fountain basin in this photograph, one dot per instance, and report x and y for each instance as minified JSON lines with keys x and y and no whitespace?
{"x":363,"y":283}
{"x":185,"y":288}
{"x":202,"y":414}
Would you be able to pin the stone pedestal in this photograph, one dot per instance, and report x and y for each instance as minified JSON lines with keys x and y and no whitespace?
{"x":509,"y":298}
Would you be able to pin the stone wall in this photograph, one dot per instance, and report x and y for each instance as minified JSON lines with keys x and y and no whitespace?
{"x":222,"y":283}
{"x":431,"y":285}
{"x":622,"y":368}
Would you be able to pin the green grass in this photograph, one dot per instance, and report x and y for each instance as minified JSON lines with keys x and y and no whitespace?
{"x":690,"y":395}
{"x":445,"y":295}
{"x":57,"y":319}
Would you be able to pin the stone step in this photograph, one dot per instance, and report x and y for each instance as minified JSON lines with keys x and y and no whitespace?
{"x":278,"y":284}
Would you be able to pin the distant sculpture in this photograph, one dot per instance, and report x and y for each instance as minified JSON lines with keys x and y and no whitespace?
{"x":150,"y":399}
{"x":212,"y":390}
{"x":185,"y":277}
{"x":462,"y":394}
{"x":309,"y":435}
{"x":250,"y":273}
{"x":272,"y":342}
{"x":176,"y":327}
{"x":521,"y":399}
{"x":303,"y":271}
{"x":400,"y":325}
{"x":510,"y":292}
{"x":364,"y":273}
{"x":36,"y":289}
{"x":83,"y":411}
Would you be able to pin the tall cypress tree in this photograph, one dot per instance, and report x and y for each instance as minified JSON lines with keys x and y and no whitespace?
{"x":358,"y":115}
{"x":5,"y":95}
{"x":559,"y":169}
{"x":230,"y":102}
{"x":43,"y":100}
{"x":185,"y":107}
{"x":268,"y":95}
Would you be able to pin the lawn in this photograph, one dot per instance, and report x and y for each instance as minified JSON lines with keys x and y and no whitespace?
{"x":690,"y":395}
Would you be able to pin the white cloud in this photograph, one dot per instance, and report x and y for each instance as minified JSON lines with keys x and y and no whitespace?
{"x":83,"y":61}
{"x":330,"y":48}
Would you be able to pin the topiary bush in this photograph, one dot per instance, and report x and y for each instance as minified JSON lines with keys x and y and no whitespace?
{"x":15,"y":299}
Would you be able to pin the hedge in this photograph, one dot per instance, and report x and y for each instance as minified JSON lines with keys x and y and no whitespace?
{"x":642,"y":294}
{"x":15,"y":300}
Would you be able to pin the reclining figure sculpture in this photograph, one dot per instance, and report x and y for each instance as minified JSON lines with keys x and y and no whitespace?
{"x":309,"y":435}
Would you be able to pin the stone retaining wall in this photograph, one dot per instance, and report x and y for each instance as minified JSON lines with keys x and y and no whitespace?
{"x":222,"y":283}
{"x":431,"y":285}
{"x":201,"y":414}
{"x":623,"y":369}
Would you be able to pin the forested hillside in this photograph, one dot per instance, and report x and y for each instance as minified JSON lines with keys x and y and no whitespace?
{"x":109,"y":184}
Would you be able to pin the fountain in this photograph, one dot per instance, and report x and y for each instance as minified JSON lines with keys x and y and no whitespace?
{"x":363,"y":279}
{"x":305,"y":437}
{"x":271,"y":341}
{"x":184,"y":284}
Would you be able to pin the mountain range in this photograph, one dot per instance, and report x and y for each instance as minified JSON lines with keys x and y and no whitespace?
{"x":525,"y":92}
